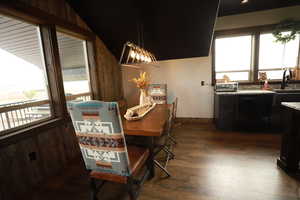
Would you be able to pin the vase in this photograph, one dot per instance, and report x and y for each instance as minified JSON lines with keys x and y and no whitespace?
{"x":143,"y":97}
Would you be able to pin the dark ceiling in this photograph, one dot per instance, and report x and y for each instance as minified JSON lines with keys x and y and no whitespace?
{"x":171,"y":29}
{"x":231,"y":7}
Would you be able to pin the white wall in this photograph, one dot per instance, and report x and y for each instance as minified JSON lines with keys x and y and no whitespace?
{"x":184,"y":76}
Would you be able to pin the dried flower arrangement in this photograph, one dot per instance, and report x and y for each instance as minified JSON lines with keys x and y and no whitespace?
{"x":141,"y":82}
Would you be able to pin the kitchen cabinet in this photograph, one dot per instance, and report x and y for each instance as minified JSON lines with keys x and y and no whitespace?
{"x":277,"y":111}
{"x":243,"y":110}
{"x":290,"y":149}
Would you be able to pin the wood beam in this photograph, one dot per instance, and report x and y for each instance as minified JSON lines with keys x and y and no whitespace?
{"x":53,"y":68}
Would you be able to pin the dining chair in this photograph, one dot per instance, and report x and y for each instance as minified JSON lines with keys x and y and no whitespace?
{"x":100,"y":135}
{"x":158,"y":93}
{"x":173,"y":110}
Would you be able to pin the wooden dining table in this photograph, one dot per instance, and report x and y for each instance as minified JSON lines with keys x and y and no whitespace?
{"x":150,"y":126}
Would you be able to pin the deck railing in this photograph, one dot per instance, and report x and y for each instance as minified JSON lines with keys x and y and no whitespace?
{"x":25,"y":112}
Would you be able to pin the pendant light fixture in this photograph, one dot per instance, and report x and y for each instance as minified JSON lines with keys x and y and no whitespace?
{"x":133,"y":54}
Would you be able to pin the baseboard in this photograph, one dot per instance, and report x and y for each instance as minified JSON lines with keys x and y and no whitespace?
{"x":185,"y":120}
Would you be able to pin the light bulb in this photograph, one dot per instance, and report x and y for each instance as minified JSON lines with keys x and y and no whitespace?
{"x":137,"y":56}
{"x":132,"y":54}
{"x":142,"y":57}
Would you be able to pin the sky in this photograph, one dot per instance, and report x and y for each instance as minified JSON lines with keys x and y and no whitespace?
{"x":17,"y":74}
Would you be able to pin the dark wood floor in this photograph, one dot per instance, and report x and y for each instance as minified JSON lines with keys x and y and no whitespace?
{"x":209,"y":165}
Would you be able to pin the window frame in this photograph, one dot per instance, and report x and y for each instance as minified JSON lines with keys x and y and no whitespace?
{"x":86,"y":60}
{"x":255,"y":32}
{"x":251,"y":62}
{"x":48,"y":24}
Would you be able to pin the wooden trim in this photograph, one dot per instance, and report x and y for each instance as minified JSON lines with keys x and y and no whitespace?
{"x":93,"y":71}
{"x":53,"y":67}
{"x":298,"y":61}
{"x":25,"y":105}
{"x":29,"y":14}
{"x":31,"y":130}
{"x":255,"y":55}
{"x":245,"y":31}
{"x":213,"y":62}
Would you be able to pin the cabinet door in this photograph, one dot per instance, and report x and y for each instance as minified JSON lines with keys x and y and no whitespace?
{"x":227,"y":112}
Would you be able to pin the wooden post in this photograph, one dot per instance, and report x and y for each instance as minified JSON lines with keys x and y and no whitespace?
{"x":92,"y":69}
{"x":53,"y":68}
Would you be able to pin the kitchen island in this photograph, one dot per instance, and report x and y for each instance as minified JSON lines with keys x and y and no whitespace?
{"x":290,"y":144}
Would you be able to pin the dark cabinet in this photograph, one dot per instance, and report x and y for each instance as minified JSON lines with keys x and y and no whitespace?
{"x":225,"y":109}
{"x":245,"y":112}
{"x":290,"y":149}
{"x":277,"y":114}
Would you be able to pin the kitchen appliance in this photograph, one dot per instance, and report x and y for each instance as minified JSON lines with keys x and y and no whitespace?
{"x":227,"y":87}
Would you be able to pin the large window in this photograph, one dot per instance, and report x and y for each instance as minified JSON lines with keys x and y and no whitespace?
{"x":233,"y":57}
{"x":241,"y":58}
{"x":274,"y":57}
{"x":23,"y":82}
{"x":74,"y":67}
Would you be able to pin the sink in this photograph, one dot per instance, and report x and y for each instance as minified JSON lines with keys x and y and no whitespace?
{"x":287,"y":90}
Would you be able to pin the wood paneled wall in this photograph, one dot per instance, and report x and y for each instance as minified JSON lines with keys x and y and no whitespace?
{"x":24,"y":163}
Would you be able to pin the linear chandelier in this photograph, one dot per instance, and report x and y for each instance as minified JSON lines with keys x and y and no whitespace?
{"x":133,"y":54}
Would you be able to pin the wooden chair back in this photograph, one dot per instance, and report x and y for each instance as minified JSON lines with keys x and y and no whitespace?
{"x":100,"y":135}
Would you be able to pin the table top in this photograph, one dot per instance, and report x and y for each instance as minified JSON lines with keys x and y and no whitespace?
{"x":151,"y":124}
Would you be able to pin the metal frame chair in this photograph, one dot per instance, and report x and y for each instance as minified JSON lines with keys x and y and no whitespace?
{"x":101,"y":139}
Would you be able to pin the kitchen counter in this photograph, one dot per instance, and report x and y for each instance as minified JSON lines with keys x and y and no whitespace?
{"x":293,"y":105}
{"x":246,"y":92}
{"x":290,"y":149}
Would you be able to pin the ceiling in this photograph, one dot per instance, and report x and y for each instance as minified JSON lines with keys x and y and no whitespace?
{"x":231,"y":7}
{"x":171,"y":29}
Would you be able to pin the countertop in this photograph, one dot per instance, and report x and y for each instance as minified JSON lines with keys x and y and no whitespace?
{"x":246,"y":92}
{"x":293,"y":105}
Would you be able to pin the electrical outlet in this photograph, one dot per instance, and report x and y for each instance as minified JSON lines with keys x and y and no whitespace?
{"x":32,"y":156}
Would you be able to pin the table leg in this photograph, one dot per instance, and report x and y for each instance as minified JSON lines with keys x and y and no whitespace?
{"x":151,"y":157}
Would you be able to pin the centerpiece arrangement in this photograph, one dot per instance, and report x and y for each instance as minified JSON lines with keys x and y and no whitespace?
{"x":146,"y":104}
{"x":142,"y":83}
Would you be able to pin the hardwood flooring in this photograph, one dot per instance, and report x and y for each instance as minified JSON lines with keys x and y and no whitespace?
{"x":209,"y":165}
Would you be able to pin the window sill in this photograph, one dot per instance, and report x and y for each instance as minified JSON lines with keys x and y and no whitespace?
{"x":30,"y":131}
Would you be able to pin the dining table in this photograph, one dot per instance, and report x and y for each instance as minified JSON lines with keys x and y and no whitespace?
{"x":150,"y":126}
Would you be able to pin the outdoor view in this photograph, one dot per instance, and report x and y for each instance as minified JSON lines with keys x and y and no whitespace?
{"x":74,"y":65}
{"x":233,"y":56}
{"x":24,"y":96}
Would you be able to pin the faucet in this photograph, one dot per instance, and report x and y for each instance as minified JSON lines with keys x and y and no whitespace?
{"x":286,"y":78}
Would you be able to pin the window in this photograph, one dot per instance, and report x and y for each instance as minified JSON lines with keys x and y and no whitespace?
{"x":241,"y":58}
{"x":273,"y":56}
{"x":24,"y":95}
{"x":74,"y":67}
{"x":233,"y":57}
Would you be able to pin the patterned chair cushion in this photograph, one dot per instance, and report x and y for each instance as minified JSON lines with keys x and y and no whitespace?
{"x":100,"y":135}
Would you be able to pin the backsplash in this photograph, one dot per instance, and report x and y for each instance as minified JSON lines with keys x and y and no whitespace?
{"x":273,"y":86}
